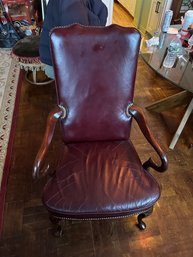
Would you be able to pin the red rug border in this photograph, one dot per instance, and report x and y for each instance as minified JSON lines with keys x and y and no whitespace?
{"x":9,"y":151}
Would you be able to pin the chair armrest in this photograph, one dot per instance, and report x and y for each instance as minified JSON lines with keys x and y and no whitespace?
{"x":51,"y":123}
{"x":138,"y":115}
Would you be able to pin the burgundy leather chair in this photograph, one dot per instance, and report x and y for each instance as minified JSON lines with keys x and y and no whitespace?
{"x":99,"y":174}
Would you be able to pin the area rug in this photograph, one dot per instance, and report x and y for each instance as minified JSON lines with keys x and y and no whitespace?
{"x":10,"y":84}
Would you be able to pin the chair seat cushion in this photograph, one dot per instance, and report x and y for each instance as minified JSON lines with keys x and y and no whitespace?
{"x":99,"y":180}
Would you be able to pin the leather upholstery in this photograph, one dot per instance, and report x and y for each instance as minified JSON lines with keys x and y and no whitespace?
{"x":95,"y":81}
{"x":99,"y":173}
{"x":100,"y":179}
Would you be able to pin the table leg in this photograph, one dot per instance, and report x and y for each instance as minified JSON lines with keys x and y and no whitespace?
{"x":182,"y":124}
{"x":175,"y":100}
{"x":34,"y":73}
{"x":170,"y":102}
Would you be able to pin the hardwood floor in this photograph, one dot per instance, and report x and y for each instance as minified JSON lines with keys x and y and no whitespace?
{"x":121,"y":16}
{"x":27,"y":230}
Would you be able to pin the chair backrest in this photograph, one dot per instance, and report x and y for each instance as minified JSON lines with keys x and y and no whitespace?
{"x":95,"y":69}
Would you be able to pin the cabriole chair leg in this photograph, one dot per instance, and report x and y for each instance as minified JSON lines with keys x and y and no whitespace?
{"x":57,"y":230}
{"x":141,"y":224}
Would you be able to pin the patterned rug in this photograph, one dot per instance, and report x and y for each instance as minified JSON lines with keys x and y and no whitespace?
{"x":9,"y":97}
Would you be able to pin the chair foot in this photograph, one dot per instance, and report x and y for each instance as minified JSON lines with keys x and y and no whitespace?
{"x":141,"y":224}
{"x":57,"y":230}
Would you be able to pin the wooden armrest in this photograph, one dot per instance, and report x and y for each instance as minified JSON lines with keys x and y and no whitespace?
{"x":51,"y":123}
{"x":138,"y":115}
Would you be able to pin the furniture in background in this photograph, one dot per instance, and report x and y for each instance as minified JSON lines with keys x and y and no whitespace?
{"x":180,"y":75}
{"x":179,"y":8}
{"x":99,"y":174}
{"x":18,"y":10}
{"x":26,"y":53}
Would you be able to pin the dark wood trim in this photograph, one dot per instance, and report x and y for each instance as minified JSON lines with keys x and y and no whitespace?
{"x":176,"y":6}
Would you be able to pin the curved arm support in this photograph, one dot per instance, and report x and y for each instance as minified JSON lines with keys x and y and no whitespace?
{"x":51,"y":123}
{"x":138,"y":115}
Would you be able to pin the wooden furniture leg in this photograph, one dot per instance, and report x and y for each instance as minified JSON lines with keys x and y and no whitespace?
{"x":34,"y":76}
{"x":170,"y":102}
{"x":173,"y":101}
{"x":182,"y":124}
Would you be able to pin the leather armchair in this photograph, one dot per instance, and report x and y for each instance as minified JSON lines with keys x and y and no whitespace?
{"x":99,"y":174}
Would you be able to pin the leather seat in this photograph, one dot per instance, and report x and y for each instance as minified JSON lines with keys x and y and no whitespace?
{"x":80,"y":189}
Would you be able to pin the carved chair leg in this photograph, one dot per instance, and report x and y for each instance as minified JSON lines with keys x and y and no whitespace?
{"x":141,"y":224}
{"x":58,"y":230}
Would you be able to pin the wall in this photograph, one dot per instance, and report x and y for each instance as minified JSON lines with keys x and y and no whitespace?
{"x":147,"y":18}
{"x":141,"y":14}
